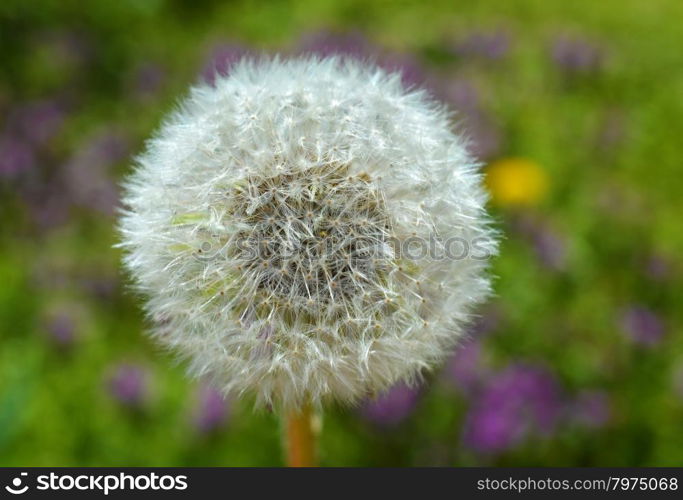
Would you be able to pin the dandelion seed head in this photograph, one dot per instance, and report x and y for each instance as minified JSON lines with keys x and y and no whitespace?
{"x":266,"y":226}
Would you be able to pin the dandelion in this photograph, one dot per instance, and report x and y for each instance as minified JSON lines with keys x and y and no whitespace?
{"x":267,"y":223}
{"x":516,"y":182}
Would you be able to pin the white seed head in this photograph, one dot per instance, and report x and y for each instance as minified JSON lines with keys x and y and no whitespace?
{"x":307,"y":230}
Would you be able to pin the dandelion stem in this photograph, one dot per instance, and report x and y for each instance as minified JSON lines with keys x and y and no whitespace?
{"x":301,"y":438}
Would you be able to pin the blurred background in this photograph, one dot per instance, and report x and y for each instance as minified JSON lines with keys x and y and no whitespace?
{"x":575,"y":109}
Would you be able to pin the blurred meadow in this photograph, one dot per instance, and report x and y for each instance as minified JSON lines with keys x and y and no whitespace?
{"x":576,"y":111}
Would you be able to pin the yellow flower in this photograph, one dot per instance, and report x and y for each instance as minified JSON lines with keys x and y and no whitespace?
{"x":516,"y":182}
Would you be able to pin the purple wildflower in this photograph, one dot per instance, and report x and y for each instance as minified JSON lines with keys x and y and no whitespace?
{"x":212,"y":411}
{"x":16,"y":157}
{"x":484,"y":136}
{"x":642,"y":325}
{"x":221,"y":59}
{"x":576,"y":55}
{"x":68,"y":48}
{"x":39,"y":121}
{"x":548,"y":245}
{"x":611,"y":130}
{"x":355,"y":45}
{"x":61,"y":330}
{"x":464,"y":368}
{"x":327,"y":44}
{"x":658,"y":267}
{"x":516,"y":402}
{"x":392,"y":407}
{"x":148,"y":79}
{"x":102,"y":286}
{"x":550,"y":249}
{"x":476,"y":125}
{"x":463,"y":95}
{"x":87,"y":174}
{"x":129,"y":385}
{"x":487,"y":45}
{"x":48,"y":205}
{"x":408,"y":67}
